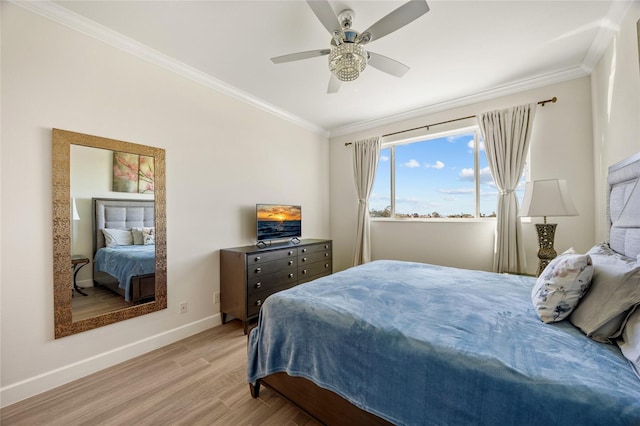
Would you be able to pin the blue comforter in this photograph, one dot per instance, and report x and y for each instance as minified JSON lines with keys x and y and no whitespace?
{"x":124,"y":262}
{"x":420,"y":344}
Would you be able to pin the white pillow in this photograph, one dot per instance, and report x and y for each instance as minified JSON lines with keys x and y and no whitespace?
{"x":117,"y":237}
{"x":149,"y":236}
{"x":615,"y":290}
{"x":559,"y":288}
{"x":630,"y":341}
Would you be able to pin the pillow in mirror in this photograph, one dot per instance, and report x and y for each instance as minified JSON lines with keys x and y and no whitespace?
{"x":149,"y":236}
{"x":117,"y":237}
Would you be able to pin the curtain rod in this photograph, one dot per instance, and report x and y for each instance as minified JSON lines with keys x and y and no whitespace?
{"x":552,"y":100}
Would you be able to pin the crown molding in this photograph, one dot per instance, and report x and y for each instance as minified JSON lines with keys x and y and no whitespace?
{"x":77,"y":22}
{"x":609,"y":27}
{"x":533,"y":83}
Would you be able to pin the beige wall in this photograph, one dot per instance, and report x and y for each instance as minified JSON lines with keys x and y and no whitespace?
{"x":615,"y":84}
{"x":561,"y":147}
{"x":222,"y":157}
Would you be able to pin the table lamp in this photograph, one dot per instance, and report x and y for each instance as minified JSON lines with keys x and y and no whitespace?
{"x":544,"y":198}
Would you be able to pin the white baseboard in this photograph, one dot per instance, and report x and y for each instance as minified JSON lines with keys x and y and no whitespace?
{"x":46,"y":381}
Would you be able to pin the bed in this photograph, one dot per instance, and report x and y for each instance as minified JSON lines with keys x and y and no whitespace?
{"x":124,"y":247}
{"x":405,"y":343}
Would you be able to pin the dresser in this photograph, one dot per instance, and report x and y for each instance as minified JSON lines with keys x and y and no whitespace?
{"x":249,"y":274}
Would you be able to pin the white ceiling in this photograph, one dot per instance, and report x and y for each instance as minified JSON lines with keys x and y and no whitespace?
{"x":459,"y":52}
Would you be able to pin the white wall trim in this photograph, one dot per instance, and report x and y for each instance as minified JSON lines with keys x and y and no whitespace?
{"x":534,"y":83}
{"x":75,"y":21}
{"x":609,"y":27}
{"x":50,"y":10}
{"x":23,"y":389}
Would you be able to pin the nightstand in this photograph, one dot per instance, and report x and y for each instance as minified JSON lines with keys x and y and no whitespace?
{"x":77,"y":262}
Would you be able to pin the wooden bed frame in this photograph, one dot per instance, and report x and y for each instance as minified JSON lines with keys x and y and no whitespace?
{"x":143,"y":287}
{"x":323,"y":405}
{"x":331,"y":409}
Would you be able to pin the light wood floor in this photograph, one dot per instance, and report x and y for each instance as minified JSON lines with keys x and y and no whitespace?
{"x":98,"y":301}
{"x":196,"y":381}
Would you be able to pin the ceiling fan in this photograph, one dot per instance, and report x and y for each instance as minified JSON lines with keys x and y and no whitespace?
{"x":347,"y":55}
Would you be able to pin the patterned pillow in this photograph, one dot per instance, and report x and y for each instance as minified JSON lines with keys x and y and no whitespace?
{"x":139,"y":235}
{"x":615,"y":290}
{"x":117,"y":237}
{"x":561,"y":285}
{"x":149,"y":236}
{"x":630,"y":341}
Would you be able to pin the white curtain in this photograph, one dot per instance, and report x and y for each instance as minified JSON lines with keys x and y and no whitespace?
{"x":365,"y":161}
{"x":506,"y":135}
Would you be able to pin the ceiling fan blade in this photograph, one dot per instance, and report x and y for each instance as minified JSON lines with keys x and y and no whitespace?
{"x":300,"y":55}
{"x":324,"y":12}
{"x":397,"y":19}
{"x":388,"y":65}
{"x":334,"y":84}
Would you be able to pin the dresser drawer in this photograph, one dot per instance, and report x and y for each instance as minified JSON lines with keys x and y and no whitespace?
{"x":270,"y":267}
{"x":255,"y":301}
{"x":271,"y":281}
{"x":314,"y":269}
{"x":268,"y":256}
{"x":319,"y":256}
{"x":314,"y":248}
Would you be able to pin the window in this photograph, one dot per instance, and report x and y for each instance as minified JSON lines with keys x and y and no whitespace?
{"x":443,"y":175}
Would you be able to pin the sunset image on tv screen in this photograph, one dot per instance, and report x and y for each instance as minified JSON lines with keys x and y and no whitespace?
{"x":278,"y":221}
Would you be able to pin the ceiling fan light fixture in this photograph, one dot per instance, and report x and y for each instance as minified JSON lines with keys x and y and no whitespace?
{"x":347,"y":61}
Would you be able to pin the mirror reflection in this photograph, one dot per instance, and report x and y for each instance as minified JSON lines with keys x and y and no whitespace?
{"x":113,"y":230}
{"x":109,"y":226}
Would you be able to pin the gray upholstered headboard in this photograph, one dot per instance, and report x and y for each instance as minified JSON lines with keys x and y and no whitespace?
{"x":623,"y":206}
{"x":121,"y":214}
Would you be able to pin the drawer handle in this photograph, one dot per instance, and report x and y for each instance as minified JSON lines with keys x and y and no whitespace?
{"x":257,"y":258}
{"x":326,"y":265}
{"x":258,"y":270}
{"x":304,"y":271}
{"x":304,"y":250}
{"x":290,"y":275}
{"x":258,"y":302}
{"x":326,"y":255}
{"x":291,"y":262}
{"x":304,"y":259}
{"x":326,"y":246}
{"x":258,"y":285}
{"x":290,"y":253}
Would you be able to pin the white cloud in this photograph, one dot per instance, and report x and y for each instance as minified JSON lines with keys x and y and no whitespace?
{"x":384,"y":158}
{"x":485,"y":175}
{"x":471,"y":143}
{"x":437,"y":165}
{"x":412,"y":164}
{"x":457,"y":191}
{"x":466,"y":174}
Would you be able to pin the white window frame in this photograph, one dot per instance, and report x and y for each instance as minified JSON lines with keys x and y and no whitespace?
{"x":423,"y":137}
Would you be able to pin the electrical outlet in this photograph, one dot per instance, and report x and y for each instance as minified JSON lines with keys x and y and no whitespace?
{"x":216,"y":298}
{"x":183,"y":308}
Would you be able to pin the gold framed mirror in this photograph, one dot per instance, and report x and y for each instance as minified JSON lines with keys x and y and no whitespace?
{"x":63,"y":213}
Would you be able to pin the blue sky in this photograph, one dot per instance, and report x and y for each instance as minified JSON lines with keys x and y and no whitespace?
{"x":435,"y":175}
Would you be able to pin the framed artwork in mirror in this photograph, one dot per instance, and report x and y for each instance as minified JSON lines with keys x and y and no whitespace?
{"x":133,"y":173}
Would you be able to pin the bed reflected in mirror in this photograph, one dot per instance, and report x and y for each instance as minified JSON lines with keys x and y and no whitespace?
{"x":109,"y":231}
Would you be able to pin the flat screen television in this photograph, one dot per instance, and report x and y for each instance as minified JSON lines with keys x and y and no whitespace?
{"x":278,"y":221}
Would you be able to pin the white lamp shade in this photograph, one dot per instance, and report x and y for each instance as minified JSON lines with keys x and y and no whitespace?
{"x":76,"y":216}
{"x":547,"y":198}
